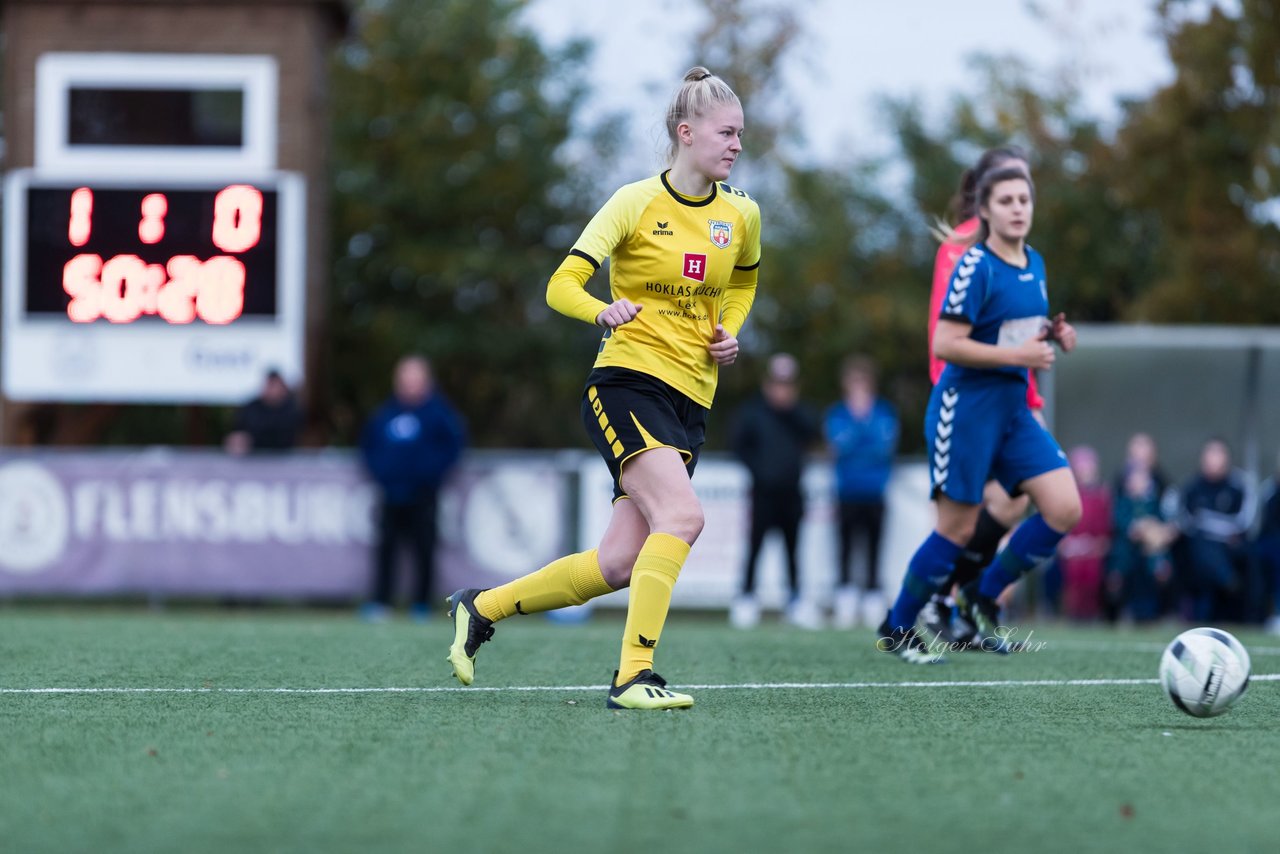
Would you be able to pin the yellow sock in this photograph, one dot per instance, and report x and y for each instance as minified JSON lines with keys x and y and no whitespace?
{"x":570,"y":580}
{"x":652,"y":578}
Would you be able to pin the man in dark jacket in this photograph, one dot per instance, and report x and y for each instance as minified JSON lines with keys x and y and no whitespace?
{"x":409,"y":447}
{"x":269,"y":422}
{"x":1217,"y":511}
{"x":771,"y":435}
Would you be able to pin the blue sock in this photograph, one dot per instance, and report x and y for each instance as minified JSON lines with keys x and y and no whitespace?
{"x":929,"y":568}
{"x":1032,"y":543}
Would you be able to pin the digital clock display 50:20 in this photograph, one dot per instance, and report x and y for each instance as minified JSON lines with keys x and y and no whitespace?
{"x":158,"y":254}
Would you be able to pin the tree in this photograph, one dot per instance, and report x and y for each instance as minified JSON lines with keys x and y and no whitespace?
{"x":1097,"y":249}
{"x":1172,"y":220}
{"x":746,"y":42}
{"x":452,"y":208}
{"x":849,"y":273}
{"x":841,"y":262}
{"x":1200,"y":157}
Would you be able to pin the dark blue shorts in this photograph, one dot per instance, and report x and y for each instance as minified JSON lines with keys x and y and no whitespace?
{"x":981,"y":432}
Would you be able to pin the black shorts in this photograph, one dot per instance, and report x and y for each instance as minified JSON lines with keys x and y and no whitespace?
{"x":627,"y":412}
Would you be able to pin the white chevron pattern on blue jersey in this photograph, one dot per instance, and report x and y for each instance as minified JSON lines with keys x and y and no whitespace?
{"x":963,"y":275}
{"x":942,"y":437}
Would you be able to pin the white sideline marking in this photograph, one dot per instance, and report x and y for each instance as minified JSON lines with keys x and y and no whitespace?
{"x":744,"y":686}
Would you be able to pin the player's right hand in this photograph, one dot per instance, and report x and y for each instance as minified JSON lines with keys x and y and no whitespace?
{"x":619,"y":312}
{"x":1036,"y":354}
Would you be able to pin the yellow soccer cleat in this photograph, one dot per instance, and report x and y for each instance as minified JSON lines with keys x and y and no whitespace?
{"x":647,"y":691}
{"x":469,"y":631}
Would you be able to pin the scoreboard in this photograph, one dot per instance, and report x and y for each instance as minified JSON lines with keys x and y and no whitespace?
{"x":150,"y":290}
{"x":154,"y":251}
{"x":180,"y":255}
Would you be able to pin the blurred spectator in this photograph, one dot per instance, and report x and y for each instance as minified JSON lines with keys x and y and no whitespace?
{"x":1141,"y":453}
{"x":1217,"y":509}
{"x":862,"y":430}
{"x":1139,"y":570}
{"x":1267,"y":546}
{"x":269,"y":422}
{"x":409,"y":447}
{"x":771,"y":436}
{"x":1082,"y":551}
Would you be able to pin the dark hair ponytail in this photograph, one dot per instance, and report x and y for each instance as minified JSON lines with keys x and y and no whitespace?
{"x":960,"y":207}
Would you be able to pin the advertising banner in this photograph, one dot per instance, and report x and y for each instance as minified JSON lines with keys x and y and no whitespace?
{"x":167,"y":523}
{"x":299,"y":526}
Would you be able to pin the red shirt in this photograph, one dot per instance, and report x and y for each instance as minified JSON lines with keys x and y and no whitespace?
{"x":943,"y":263}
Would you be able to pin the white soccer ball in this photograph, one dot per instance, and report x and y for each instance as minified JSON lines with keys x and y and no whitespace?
{"x":1204,"y":671}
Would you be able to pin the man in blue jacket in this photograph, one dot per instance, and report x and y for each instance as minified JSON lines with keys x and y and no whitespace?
{"x":862,"y":430}
{"x":409,"y":447}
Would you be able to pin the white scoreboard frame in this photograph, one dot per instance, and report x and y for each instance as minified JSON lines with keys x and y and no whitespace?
{"x":58,"y":73}
{"x":46,"y":358}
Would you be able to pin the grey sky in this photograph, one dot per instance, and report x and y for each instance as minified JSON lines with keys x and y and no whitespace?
{"x":856,"y":50}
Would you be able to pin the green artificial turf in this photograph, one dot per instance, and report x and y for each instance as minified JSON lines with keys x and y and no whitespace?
{"x":874,"y":768}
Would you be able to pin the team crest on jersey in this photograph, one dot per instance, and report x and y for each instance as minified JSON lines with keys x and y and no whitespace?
{"x":721,"y":232}
{"x":695,"y":266}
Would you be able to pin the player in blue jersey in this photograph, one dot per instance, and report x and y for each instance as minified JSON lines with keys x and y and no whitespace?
{"x":993,"y":326}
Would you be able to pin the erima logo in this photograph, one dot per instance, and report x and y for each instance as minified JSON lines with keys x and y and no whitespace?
{"x":645,"y":642}
{"x":663,"y":231}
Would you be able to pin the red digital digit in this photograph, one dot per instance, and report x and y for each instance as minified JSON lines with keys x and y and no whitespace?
{"x":124,"y":280}
{"x":151,"y":226}
{"x":220,"y":298}
{"x":81,"y":223}
{"x":149,"y":288}
{"x":80,"y":280}
{"x":237,"y":218}
{"x":177,"y":299}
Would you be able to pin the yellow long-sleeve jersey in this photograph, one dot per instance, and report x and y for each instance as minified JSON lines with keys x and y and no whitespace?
{"x":691,"y":263}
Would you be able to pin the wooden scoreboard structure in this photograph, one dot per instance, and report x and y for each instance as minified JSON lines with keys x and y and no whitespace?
{"x":164,"y":227}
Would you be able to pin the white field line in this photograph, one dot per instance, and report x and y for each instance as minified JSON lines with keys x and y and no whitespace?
{"x":742,"y":686}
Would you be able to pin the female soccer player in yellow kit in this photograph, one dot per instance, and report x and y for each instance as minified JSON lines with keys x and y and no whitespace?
{"x":684,"y":250}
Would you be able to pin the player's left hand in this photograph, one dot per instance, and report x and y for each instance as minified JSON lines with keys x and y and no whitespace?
{"x":723,"y":347}
{"x":1062,"y":332}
